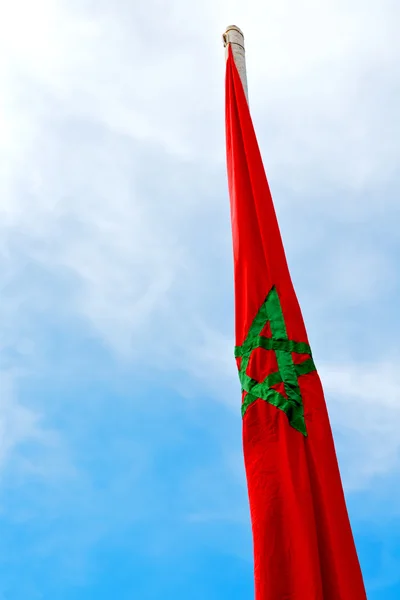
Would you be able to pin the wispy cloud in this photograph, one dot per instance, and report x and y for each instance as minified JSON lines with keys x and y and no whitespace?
{"x":115,"y":251}
{"x":27,"y":446}
{"x":364,"y":401}
{"x":104,"y":107}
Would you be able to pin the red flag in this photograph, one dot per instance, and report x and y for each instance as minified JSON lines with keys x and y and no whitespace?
{"x":303,"y":544}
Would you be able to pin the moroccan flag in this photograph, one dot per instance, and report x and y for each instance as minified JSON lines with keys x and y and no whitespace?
{"x":303,"y":544}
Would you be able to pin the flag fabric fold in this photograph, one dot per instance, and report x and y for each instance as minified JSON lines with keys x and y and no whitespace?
{"x":303,"y":543}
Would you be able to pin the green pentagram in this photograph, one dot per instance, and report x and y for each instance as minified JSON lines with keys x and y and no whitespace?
{"x":288,"y":372}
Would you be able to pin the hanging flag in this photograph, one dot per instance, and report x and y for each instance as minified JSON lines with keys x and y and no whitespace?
{"x":303,"y":544}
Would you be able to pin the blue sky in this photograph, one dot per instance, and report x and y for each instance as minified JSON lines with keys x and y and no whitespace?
{"x":121,"y":472}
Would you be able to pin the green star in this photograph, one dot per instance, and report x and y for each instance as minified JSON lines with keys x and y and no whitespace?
{"x":288,"y":373}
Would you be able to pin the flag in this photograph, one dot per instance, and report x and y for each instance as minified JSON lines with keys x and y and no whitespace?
{"x":303,"y":543}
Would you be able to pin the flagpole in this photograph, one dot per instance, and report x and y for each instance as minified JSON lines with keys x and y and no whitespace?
{"x":234,"y":37}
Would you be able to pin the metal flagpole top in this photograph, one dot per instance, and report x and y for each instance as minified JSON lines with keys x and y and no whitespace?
{"x":234,"y":37}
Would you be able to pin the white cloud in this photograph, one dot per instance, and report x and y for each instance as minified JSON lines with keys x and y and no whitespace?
{"x":18,"y":425}
{"x":364,"y":402}
{"x":96,"y":97}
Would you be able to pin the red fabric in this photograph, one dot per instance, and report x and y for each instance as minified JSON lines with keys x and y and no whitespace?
{"x":303,"y":544}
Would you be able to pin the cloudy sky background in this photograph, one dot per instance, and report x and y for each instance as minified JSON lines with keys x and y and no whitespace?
{"x":121,"y":470}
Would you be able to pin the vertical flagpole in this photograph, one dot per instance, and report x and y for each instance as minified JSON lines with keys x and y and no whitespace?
{"x":234,"y":37}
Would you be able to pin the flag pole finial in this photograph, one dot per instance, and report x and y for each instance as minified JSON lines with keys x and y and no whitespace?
{"x":234,"y":37}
